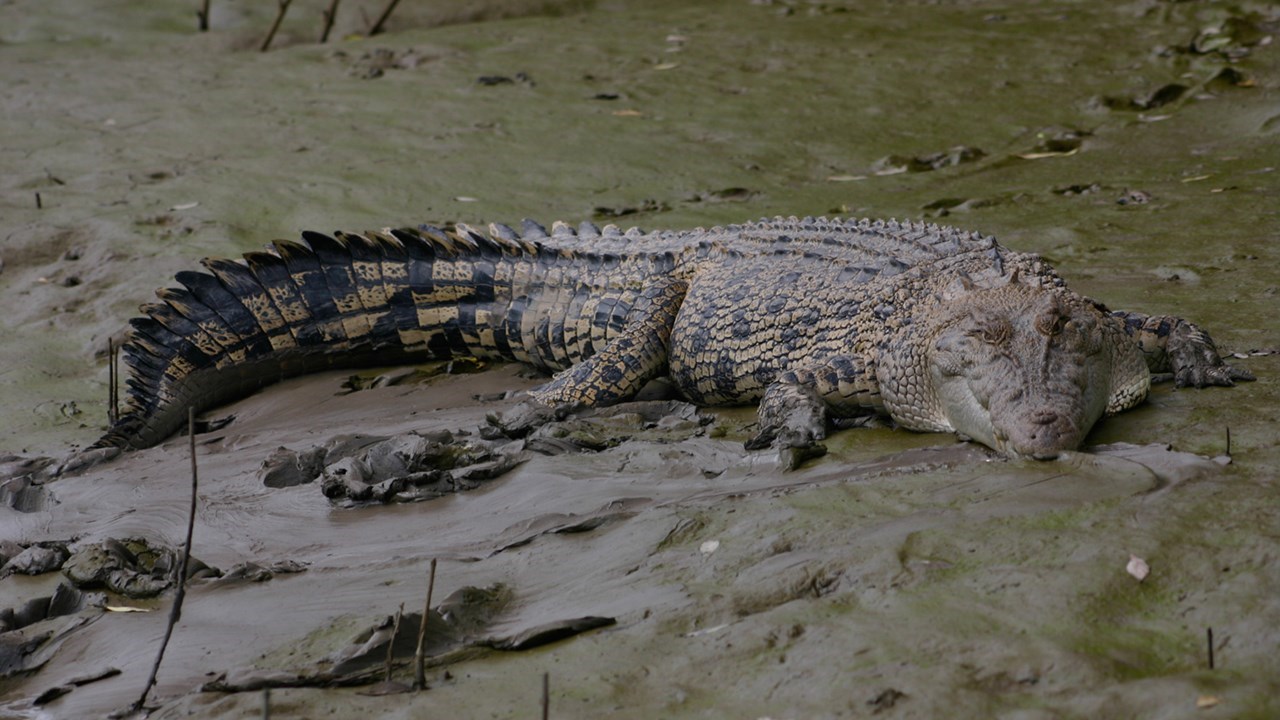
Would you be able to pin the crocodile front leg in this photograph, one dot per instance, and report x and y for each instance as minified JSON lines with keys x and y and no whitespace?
{"x":1173,"y":345}
{"x":796,"y":406}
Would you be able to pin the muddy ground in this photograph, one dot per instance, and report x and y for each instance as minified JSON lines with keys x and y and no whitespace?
{"x":902,"y":575}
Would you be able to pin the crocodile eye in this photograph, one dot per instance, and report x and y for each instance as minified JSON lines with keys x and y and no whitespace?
{"x":993,"y":332}
{"x":1050,"y":323}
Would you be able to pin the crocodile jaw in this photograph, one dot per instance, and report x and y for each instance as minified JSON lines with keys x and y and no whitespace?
{"x":1034,"y":425}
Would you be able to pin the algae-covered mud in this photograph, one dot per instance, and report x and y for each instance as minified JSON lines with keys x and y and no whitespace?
{"x":641,"y":560}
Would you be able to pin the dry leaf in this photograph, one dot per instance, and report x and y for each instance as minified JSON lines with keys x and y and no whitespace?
{"x":627,"y":113}
{"x":1197,"y":178}
{"x":706,"y":631}
{"x":126,"y":609}
{"x":1138,"y":567}
{"x":1040,"y":155}
{"x":666,"y":66}
{"x":185,"y":206}
{"x":709,"y":547}
{"x":464,"y":198}
{"x":1206,"y":701}
{"x":845,"y":178}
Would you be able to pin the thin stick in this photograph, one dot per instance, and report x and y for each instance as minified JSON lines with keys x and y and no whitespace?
{"x":115,"y":384}
{"x":39,"y":204}
{"x":175,"y":611}
{"x":1209,"y":635}
{"x":419,"y":664}
{"x":203,"y":15}
{"x":266,"y":703}
{"x":391,"y":644}
{"x":284,"y":7}
{"x":546,"y":695}
{"x":111,"y":382}
{"x":329,"y":16}
{"x":382,"y":19}
{"x":1228,"y":441}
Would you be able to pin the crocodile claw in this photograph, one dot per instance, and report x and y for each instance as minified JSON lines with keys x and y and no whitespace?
{"x":1223,"y":375}
{"x":1196,"y":362}
{"x":795,"y":447}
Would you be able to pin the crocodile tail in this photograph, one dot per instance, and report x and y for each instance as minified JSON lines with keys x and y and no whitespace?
{"x":347,"y":300}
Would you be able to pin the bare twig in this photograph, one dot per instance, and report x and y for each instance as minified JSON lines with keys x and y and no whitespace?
{"x":39,"y":202}
{"x":284,"y":7}
{"x":266,"y":703}
{"x":382,"y":19}
{"x":111,"y":382}
{"x":1228,"y":453}
{"x":419,"y":665}
{"x":203,"y":15}
{"x":546,"y":695}
{"x":175,"y":611}
{"x":391,"y":644}
{"x":329,"y":16}
{"x":1209,"y":636}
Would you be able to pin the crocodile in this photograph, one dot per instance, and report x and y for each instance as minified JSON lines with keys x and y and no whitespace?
{"x":818,"y":320}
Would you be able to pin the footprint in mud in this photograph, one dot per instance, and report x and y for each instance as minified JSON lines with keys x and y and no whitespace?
{"x":958,"y":155}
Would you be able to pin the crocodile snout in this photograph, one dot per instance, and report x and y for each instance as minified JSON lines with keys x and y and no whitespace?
{"x":1043,"y":435}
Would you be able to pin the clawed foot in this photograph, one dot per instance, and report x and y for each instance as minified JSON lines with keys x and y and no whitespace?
{"x":792,"y":419}
{"x":1196,"y":362}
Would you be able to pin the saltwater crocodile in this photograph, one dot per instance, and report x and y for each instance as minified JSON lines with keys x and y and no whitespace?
{"x":938,"y":329}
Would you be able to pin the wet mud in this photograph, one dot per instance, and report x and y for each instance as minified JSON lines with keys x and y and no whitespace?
{"x":640,"y":557}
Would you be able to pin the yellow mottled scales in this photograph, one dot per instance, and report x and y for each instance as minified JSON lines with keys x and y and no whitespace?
{"x":438,"y":316}
{"x":444,"y":294}
{"x":178,"y":368}
{"x":292,"y":312}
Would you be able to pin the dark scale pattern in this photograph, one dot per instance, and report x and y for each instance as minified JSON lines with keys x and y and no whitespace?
{"x":815,"y":316}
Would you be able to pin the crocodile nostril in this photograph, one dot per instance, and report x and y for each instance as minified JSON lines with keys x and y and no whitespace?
{"x":1045,"y":417}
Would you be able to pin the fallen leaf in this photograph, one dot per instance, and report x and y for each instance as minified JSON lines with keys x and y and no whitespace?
{"x":627,"y":113}
{"x":1197,"y":178}
{"x":185,"y":206}
{"x":845,"y":178}
{"x":1042,"y":155}
{"x":1138,"y":567}
{"x":126,"y":609}
{"x":709,"y":547}
{"x":706,"y":631}
{"x":464,"y":198}
{"x":1206,"y":701}
{"x":666,"y":66}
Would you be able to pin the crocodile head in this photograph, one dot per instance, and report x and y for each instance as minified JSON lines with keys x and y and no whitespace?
{"x":1022,"y":369}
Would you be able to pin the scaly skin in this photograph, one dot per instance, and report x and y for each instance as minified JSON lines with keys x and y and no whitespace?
{"x":936,"y":328}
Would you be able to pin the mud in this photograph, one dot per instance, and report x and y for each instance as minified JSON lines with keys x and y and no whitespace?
{"x":900,"y":575}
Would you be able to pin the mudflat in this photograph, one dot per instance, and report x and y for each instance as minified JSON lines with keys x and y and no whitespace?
{"x":1134,"y":145}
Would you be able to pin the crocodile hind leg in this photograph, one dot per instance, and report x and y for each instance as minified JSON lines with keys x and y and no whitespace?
{"x":615,"y":373}
{"x":1174,"y":346}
